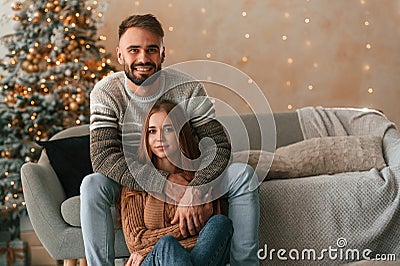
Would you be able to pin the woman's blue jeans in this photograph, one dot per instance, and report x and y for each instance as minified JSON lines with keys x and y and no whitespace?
{"x":212,"y":248}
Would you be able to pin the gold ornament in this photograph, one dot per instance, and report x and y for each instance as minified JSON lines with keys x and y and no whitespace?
{"x":50,"y":6}
{"x":69,"y":20}
{"x":36,"y":61}
{"x":62,"y":57}
{"x":25,"y":65}
{"x":74,"y":43}
{"x":57,"y":9}
{"x":70,"y":47}
{"x":30,"y":57}
{"x":16,"y":6}
{"x":80,"y":98}
{"x":11,"y":99}
{"x":31,"y":68}
{"x":73,"y":106}
{"x":37,"y":16}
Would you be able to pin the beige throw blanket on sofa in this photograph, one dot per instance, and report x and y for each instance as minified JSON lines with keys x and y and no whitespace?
{"x":346,"y":211}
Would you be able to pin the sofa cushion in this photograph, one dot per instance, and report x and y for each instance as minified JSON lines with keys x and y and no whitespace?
{"x":331,"y":155}
{"x":317,"y":156}
{"x":70,"y":159}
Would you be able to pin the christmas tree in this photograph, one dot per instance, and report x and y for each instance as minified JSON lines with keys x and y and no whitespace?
{"x":52,"y":63}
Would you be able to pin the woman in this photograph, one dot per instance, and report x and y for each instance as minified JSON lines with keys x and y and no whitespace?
{"x":146,"y":221}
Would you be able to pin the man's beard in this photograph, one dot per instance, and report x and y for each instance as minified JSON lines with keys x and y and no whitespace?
{"x":138,"y":80}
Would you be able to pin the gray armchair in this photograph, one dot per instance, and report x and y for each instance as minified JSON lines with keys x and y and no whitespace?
{"x":44,"y":197}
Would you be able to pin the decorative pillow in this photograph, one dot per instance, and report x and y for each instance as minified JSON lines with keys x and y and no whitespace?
{"x":70,"y":159}
{"x":317,"y":156}
{"x":331,"y":155}
{"x":261,"y":162}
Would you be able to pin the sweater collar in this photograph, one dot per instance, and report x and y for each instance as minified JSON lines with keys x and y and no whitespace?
{"x":146,"y":98}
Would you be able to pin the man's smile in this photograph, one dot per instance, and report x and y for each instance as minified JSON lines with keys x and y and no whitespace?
{"x":144,"y":68}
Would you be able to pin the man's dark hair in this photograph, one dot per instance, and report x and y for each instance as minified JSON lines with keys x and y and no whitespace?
{"x":148,"y":22}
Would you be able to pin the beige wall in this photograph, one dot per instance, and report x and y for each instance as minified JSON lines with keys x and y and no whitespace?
{"x":349,"y":51}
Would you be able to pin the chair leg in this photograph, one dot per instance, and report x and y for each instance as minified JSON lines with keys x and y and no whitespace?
{"x":82,"y":262}
{"x":70,"y":262}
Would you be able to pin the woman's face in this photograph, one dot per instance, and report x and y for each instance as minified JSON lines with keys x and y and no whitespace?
{"x":162,"y":138}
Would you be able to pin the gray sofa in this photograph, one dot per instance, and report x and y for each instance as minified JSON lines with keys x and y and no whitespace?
{"x":296,"y":214}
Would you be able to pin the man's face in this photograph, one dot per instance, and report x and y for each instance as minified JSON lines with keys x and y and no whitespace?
{"x":141,"y":53}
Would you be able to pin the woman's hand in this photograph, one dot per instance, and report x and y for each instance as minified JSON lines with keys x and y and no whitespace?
{"x":134,"y":260}
{"x":192,"y":218}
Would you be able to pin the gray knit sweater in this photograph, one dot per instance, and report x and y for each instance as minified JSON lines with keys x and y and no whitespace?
{"x":115,"y":129}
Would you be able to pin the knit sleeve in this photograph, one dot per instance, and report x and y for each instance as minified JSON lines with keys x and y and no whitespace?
{"x":202,"y":118}
{"x":138,"y":237}
{"x":211,"y":167}
{"x":108,"y":158}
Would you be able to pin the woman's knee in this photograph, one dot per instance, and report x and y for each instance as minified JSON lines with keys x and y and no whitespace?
{"x":166,"y":242}
{"x":222,"y":222}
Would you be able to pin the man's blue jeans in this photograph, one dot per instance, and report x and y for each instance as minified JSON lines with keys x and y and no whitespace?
{"x":212,"y":248}
{"x":98,"y":195}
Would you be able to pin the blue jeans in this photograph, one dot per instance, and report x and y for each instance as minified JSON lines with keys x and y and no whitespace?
{"x":212,"y":247}
{"x":98,"y":195}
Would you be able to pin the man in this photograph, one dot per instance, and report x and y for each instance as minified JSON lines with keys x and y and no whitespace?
{"x":141,"y":52}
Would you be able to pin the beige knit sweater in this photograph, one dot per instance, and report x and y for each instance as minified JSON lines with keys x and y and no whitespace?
{"x":115,"y":129}
{"x":146,"y":219}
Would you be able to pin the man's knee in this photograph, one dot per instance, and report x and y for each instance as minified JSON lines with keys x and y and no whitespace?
{"x":241,"y":172}
{"x":96,"y":184}
{"x":242,"y":179}
{"x":92,"y":182}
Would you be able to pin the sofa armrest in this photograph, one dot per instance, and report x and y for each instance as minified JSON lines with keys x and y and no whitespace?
{"x":43,"y":196}
{"x":391,"y":148}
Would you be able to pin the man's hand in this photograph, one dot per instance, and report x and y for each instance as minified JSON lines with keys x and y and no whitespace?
{"x":134,"y":260}
{"x":176,"y":192}
{"x":192,"y":218}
